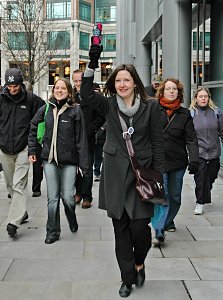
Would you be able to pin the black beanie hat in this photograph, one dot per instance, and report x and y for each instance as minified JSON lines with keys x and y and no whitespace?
{"x":13,"y":76}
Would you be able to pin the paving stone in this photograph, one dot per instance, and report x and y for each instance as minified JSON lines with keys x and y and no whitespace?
{"x":207,"y":290}
{"x":208,"y":268}
{"x":206,"y":233}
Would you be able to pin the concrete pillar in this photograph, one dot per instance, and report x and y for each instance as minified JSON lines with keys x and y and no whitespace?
{"x":176,"y":43}
{"x":129,"y":36}
{"x":216,"y":50}
{"x":74,"y":51}
{"x":125,"y":27}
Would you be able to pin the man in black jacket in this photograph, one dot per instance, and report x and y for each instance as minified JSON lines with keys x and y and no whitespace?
{"x":17,"y":107}
{"x":93,"y":121}
{"x":152,"y":89}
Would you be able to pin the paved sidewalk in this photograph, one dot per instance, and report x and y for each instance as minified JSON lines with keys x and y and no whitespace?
{"x":82,"y":266}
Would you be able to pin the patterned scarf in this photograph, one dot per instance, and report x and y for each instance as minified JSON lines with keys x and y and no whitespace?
{"x":170,"y":106}
{"x":128,"y":111}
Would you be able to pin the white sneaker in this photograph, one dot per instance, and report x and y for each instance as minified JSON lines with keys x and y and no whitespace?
{"x":198,"y":209}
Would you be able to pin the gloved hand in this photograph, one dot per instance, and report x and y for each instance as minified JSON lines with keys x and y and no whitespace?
{"x":94,"y":55}
{"x":193,"y":167}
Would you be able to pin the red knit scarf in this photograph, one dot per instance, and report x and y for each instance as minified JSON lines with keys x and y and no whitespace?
{"x":170,"y":105}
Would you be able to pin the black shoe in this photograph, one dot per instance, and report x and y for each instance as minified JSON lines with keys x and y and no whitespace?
{"x":9,"y":196}
{"x":12,"y":230}
{"x":51,"y":240}
{"x":25,"y":218}
{"x":74,"y":225}
{"x":140,"y":277}
{"x":125,"y":290}
{"x":36,"y":194}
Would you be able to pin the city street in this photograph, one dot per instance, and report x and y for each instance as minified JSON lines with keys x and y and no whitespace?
{"x":82,"y":265}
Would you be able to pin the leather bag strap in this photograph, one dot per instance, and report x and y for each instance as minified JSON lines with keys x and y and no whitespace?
{"x":129,"y":146}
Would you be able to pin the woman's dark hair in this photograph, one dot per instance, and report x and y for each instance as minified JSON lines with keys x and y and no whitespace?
{"x":109,"y":88}
{"x":69,"y":89}
{"x":180,"y":87}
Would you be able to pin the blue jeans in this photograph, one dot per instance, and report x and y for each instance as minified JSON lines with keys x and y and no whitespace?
{"x":164,"y":214}
{"x":173,"y":182}
{"x":60,"y":181}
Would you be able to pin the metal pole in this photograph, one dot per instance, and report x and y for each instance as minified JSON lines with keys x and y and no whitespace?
{"x":203,"y":42}
{"x":197,"y":45}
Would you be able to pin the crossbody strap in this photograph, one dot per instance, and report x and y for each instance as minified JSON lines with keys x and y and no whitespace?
{"x":129,"y":146}
{"x":165,"y":128}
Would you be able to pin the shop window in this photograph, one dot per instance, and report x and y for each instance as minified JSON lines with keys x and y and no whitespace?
{"x":106,"y":70}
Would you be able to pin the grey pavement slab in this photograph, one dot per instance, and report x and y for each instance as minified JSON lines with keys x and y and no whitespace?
{"x":170,"y":269}
{"x":205,"y":290}
{"x":4,"y":266}
{"x":207,"y":233}
{"x":207,"y":249}
{"x":208,"y":268}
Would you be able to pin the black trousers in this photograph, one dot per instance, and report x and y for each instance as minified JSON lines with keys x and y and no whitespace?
{"x":84,"y":183}
{"x":132,"y":243}
{"x":204,"y":179}
{"x":37,"y":170}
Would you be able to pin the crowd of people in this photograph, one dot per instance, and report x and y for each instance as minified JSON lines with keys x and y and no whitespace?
{"x":83,"y":141}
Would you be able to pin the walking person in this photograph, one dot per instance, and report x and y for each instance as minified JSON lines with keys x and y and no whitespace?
{"x":152,"y":89}
{"x":93,"y":121}
{"x":208,"y":123}
{"x":17,"y":107}
{"x":64,"y":148}
{"x":117,"y":192}
{"x":180,"y":142}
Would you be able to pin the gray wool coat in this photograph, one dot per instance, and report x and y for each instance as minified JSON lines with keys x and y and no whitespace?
{"x":117,"y":190}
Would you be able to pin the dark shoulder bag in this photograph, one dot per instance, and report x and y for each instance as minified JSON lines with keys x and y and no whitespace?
{"x":149,"y":183}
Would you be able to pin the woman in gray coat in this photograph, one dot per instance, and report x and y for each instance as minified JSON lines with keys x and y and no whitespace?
{"x":117,"y":194}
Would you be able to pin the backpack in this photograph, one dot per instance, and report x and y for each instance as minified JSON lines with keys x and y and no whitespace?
{"x":216,"y":112}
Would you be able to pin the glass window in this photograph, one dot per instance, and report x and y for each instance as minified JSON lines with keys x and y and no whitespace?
{"x":57,"y":40}
{"x":85,"y":11}
{"x":20,"y":40}
{"x":109,"y":42}
{"x":207,"y":40}
{"x":84,"y":41}
{"x":106,"y":14}
{"x":57,"y":9}
{"x":12,"y":11}
{"x":23,"y":11}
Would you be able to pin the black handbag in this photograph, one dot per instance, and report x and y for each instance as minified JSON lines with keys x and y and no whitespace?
{"x":149,"y":183}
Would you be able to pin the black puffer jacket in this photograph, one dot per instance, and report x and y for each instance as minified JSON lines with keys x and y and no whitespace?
{"x":180,"y":140}
{"x":71,"y":137}
{"x":16,"y":113}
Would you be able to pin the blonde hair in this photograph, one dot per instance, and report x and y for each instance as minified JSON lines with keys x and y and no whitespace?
{"x":193,"y":104}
